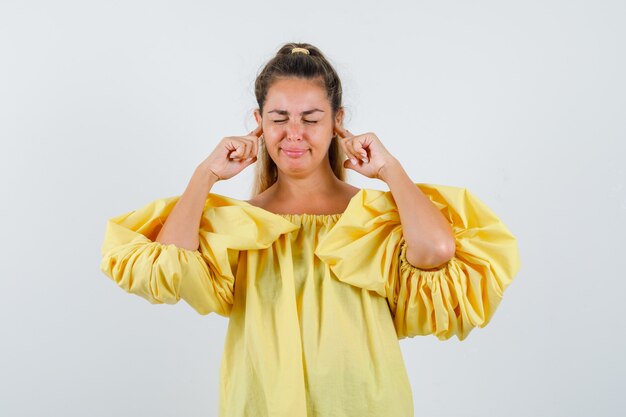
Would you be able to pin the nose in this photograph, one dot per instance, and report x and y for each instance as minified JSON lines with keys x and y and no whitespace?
{"x":294,"y":130}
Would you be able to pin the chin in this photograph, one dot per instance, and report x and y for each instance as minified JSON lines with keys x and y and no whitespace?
{"x":296,"y":169}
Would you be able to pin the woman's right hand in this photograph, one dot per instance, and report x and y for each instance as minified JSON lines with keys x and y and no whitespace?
{"x":232,"y":155}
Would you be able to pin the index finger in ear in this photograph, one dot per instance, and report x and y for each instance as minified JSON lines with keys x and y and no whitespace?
{"x":257,"y":131}
{"x":342,"y":132}
{"x":257,"y":134}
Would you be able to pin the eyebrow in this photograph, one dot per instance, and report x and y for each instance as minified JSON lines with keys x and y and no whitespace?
{"x":304,"y":113}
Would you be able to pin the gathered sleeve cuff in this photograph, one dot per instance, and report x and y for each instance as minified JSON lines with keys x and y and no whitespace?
{"x":165,"y":273}
{"x":366,"y":248}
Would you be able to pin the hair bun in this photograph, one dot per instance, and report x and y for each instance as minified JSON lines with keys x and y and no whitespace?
{"x":300,"y":50}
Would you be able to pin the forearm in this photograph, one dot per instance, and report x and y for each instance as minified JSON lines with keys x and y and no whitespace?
{"x":428,"y":235}
{"x":183,"y":223}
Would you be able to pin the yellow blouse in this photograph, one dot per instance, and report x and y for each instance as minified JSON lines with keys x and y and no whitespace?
{"x":317,"y":303}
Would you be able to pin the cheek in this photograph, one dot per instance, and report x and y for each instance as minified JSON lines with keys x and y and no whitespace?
{"x":273,"y":130}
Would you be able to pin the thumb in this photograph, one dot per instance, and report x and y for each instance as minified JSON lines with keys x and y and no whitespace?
{"x":347,"y":164}
{"x":250,"y":162}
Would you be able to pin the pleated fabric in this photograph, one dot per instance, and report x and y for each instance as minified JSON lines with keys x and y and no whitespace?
{"x":446,"y":301}
{"x":317,"y":304}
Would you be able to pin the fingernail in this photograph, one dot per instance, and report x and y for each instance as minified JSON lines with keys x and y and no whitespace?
{"x":248,"y":159}
{"x":353,"y":161}
{"x":365,"y":160}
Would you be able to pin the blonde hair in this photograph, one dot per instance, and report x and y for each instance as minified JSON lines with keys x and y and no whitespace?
{"x":311,"y":66}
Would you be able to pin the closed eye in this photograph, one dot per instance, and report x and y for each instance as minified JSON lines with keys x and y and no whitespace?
{"x":306,"y":121}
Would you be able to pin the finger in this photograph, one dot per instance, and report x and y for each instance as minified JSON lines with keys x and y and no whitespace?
{"x":360,"y":150}
{"x":258,"y":131}
{"x":240,"y":150}
{"x":254,"y":148}
{"x":236,"y":153}
{"x":349,"y":165}
{"x":353,"y":152}
{"x":356,"y":152}
{"x":342,"y":132}
{"x":247,"y":151}
{"x":250,"y":161}
{"x":347,"y":151}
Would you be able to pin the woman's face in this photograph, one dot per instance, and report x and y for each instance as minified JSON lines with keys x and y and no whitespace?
{"x":297,"y":125}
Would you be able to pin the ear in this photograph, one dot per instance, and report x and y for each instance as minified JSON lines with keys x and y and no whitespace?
{"x":257,"y":116}
{"x":339,"y":117}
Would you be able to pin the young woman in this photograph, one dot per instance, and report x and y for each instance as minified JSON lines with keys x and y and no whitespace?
{"x":319,"y":279}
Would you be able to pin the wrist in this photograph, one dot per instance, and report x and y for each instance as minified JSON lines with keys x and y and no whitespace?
{"x":386,"y":172}
{"x":206,"y":175}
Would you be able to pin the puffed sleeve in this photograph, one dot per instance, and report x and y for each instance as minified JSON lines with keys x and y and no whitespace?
{"x":366,"y":248}
{"x":165,"y":273}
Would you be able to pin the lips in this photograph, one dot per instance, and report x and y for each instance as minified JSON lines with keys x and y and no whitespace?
{"x":294,"y":152}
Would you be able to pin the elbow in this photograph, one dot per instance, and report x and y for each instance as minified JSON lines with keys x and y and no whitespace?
{"x":447,"y":249}
{"x":437,"y":257}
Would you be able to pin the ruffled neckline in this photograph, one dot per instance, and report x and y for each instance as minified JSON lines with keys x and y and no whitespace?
{"x":291,"y":221}
{"x":299,"y":218}
{"x":310,"y":218}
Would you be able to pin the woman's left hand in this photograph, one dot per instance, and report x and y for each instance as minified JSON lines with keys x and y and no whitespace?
{"x":366,"y":150}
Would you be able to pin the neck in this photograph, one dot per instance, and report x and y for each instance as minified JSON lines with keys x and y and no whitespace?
{"x":321,"y":182}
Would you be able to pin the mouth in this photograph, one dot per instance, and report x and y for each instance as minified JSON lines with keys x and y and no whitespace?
{"x":294,"y":153}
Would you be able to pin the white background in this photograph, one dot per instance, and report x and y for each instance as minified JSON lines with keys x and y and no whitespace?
{"x":108,"y":105}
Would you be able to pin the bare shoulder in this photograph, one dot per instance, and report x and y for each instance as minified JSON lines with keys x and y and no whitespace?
{"x":264,"y":199}
{"x":258,"y":200}
{"x":351,"y":190}
{"x":347,"y":193}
